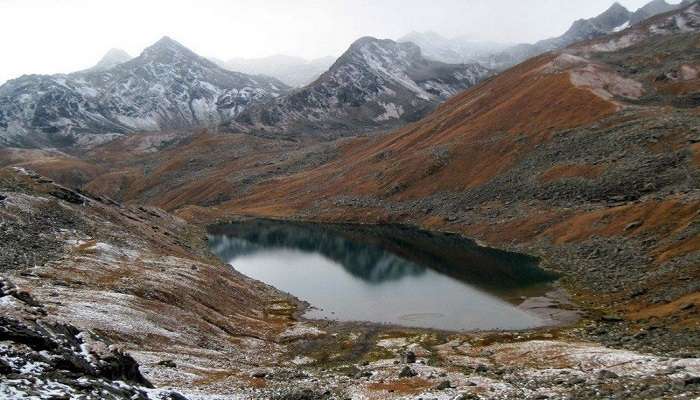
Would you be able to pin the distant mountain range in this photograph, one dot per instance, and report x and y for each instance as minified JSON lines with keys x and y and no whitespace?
{"x":375,"y":83}
{"x":500,"y":56}
{"x":166,"y":87}
{"x":294,"y":71}
{"x":454,"y":50}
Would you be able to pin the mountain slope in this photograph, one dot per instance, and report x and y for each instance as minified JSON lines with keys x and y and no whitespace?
{"x":376,"y":83}
{"x":655,"y":7}
{"x":293,"y":71}
{"x":588,"y":157}
{"x":614,"y":19}
{"x":166,"y":87}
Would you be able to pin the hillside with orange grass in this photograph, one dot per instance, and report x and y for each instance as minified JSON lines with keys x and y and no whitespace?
{"x":586,"y":157}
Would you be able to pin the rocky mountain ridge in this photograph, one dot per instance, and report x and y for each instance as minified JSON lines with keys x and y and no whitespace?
{"x":374,"y":84}
{"x":614,"y":19}
{"x":166,"y":87}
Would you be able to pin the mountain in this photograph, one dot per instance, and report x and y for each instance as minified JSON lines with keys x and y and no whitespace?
{"x":455,"y":50}
{"x":655,"y":7}
{"x":614,"y":19}
{"x":112,"y":58}
{"x":167,"y":87}
{"x":374,"y":84}
{"x":293,"y":71}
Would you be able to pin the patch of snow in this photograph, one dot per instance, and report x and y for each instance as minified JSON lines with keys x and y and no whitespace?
{"x":606,"y":84}
{"x":391,"y":111}
{"x":302,"y":360}
{"x":301,"y":330}
{"x":622,"y":27}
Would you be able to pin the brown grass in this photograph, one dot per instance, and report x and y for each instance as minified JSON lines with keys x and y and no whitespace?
{"x":402,"y":386}
{"x":695,"y":149}
{"x":664,"y":310}
{"x":483,"y":132}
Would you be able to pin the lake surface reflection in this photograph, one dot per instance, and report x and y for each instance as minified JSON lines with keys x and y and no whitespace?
{"x":386,"y":274}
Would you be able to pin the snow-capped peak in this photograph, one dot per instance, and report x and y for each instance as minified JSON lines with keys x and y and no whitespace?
{"x":376,"y":82}
{"x":167,"y":50}
{"x":166,"y":87}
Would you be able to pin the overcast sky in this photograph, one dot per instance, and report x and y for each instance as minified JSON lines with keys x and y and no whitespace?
{"x":51,"y":36}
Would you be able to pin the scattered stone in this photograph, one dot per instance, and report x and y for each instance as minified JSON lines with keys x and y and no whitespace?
{"x":5,"y":368}
{"x":466,"y":396}
{"x":167,"y":364}
{"x":407,"y":372}
{"x":692,"y":380}
{"x":409,"y":357}
{"x":633,"y":225}
{"x":575,"y":381}
{"x":259,"y":374}
{"x":687,"y":306}
{"x":363,"y":374}
{"x":173,"y":396}
{"x":611,"y":318}
{"x":67,"y":195}
{"x":607,"y":374}
{"x":444,"y":385}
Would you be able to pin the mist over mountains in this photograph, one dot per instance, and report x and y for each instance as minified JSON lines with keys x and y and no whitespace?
{"x":500,"y":56}
{"x":294,"y":71}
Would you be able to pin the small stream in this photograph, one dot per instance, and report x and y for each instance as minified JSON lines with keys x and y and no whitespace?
{"x":387,"y":274}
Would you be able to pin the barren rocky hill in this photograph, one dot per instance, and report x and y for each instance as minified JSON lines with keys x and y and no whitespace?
{"x":375,"y":84}
{"x":616,"y":18}
{"x":166,"y":87}
{"x":84,"y":279}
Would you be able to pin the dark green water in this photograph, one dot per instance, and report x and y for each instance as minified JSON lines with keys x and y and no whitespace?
{"x":386,"y":274}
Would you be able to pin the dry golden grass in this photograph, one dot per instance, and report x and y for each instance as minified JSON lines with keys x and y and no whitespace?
{"x":402,"y":386}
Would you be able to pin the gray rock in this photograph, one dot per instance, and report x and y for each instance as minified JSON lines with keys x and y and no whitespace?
{"x":692,"y":380}
{"x":407,"y":372}
{"x":409,"y":357}
{"x":259,"y":374}
{"x":444,"y":385}
{"x":607,"y":374}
